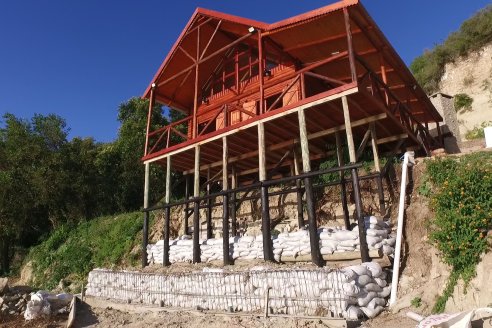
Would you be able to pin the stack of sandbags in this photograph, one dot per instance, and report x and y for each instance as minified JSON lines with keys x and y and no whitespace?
{"x":352,"y":292}
{"x":366,"y":287}
{"x":212,"y":249}
{"x":181,"y":250}
{"x":379,"y":234}
{"x":248,"y":248}
{"x":286,"y":245}
{"x":291,"y":244}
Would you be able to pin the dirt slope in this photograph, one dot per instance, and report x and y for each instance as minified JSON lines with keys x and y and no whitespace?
{"x":471,"y":75}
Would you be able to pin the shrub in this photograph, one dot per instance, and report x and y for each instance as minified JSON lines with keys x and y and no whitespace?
{"x":75,"y":250}
{"x":416,"y":302}
{"x":462,"y":201}
{"x":477,"y":132}
{"x":462,"y":101}
{"x":473,"y":34}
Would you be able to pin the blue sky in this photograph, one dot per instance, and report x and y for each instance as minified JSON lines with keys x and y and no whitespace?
{"x":81,"y":59}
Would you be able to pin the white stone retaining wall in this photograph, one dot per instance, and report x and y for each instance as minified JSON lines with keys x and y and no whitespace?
{"x":351,"y":292}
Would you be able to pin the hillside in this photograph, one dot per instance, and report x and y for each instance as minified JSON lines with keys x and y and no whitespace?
{"x":462,"y":67}
{"x":66,"y":257}
{"x":471,"y":75}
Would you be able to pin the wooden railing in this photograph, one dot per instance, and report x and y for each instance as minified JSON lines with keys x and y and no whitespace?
{"x":372,"y":82}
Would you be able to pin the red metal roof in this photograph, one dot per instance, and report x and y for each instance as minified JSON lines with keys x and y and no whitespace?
{"x":308,"y":37}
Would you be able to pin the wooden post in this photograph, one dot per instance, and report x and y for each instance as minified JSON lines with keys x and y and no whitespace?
{"x":364,"y":249}
{"x":265,"y":205}
{"x":306,"y":166}
{"x":196,"y":209}
{"x":167,"y":213}
{"x":348,"y":130}
{"x":145,"y":239}
{"x":149,"y":115}
{"x":225,"y":202}
{"x":233,"y":201}
{"x":343,"y":186}
{"x":209,"y":208}
{"x":350,"y":47}
{"x":194,"y":131}
{"x":300,"y":212}
{"x":187,"y":205}
{"x":379,"y":179}
{"x":261,"y":72}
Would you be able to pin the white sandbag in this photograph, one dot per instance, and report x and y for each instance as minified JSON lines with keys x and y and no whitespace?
{"x":391,"y":241}
{"x":373,"y":287}
{"x":359,"y":269}
{"x":373,"y":219}
{"x":374,"y":267}
{"x":375,"y":232}
{"x":326,"y":250}
{"x":380,"y":282}
{"x":184,"y":242}
{"x":363,"y":280}
{"x":351,"y":289}
{"x":345,"y":235}
{"x":388,"y":250}
{"x":385,"y":292}
{"x":353,"y":312}
{"x":371,"y":313}
{"x":375,"y":302}
{"x":364,"y":299}
{"x":328,"y":243}
{"x":349,"y":243}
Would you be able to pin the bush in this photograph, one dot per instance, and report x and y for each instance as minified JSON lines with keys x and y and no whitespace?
{"x":462,"y":201}
{"x":477,"y":132}
{"x":73,"y":251}
{"x":462,"y":101}
{"x":473,"y":34}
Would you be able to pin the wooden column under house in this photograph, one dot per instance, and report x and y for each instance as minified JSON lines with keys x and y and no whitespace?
{"x":265,"y":103}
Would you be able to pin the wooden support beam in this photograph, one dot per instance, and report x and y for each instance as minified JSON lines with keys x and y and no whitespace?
{"x":325,"y":78}
{"x":379,"y":180}
{"x":343,"y":186}
{"x":261,"y":152}
{"x":350,"y":44}
{"x":149,"y":115}
{"x":265,"y":203}
{"x":374,"y":143}
{"x":297,"y":171}
{"x":321,"y":40}
{"x":209,"y":207}
{"x":234,"y":185}
{"x":187,"y":54}
{"x":196,"y":209}
{"x":145,"y":239}
{"x":167,"y":213}
{"x":364,"y":249}
{"x":225,"y":202}
{"x":348,"y":130}
{"x":261,"y":71}
{"x":363,"y":144}
{"x":292,"y":142}
{"x":187,"y":205}
{"x":210,"y":40}
{"x":308,"y":187}
{"x":201,"y":61}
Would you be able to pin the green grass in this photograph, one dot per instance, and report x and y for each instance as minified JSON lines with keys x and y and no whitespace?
{"x":460,"y":190}
{"x":70,"y":252}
